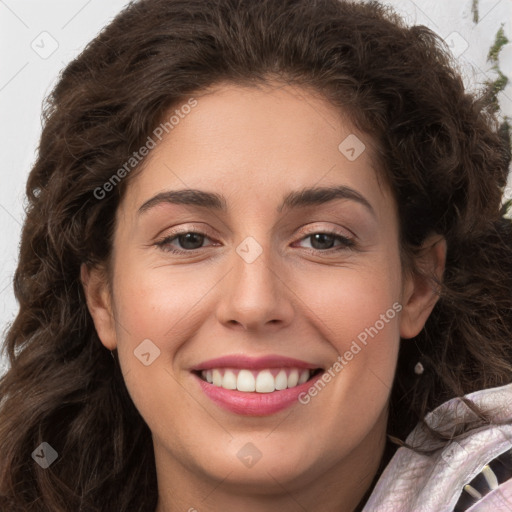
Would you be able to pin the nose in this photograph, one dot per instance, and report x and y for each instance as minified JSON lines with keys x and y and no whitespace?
{"x":257,"y":294}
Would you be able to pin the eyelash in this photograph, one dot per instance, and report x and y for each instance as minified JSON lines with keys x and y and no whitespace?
{"x":163,"y":244}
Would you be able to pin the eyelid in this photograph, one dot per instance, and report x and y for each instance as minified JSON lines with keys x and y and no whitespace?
{"x":312,"y":229}
{"x":183,"y":229}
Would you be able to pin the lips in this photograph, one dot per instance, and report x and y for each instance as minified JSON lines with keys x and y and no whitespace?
{"x":254,"y":363}
{"x":255,"y":386}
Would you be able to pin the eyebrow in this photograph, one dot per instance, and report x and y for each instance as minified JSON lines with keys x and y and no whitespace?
{"x":293,"y":200}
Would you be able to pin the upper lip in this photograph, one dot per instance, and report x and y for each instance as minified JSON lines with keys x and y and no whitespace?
{"x":254,"y":363}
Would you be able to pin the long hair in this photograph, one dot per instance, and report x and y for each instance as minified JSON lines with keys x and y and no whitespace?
{"x":438,"y":146}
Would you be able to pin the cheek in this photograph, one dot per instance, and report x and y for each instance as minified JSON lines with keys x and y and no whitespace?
{"x":362,"y":325}
{"x":349,"y":301}
{"x":154,"y":318}
{"x":357,"y":310}
{"x":156,"y":303}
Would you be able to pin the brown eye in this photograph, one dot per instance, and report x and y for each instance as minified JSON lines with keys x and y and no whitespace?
{"x":325,"y":241}
{"x":186,"y":241}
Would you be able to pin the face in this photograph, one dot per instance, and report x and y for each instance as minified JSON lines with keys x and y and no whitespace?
{"x":259,"y":283}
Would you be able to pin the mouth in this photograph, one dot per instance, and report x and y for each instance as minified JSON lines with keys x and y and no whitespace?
{"x":255,"y":386}
{"x":266,"y":380}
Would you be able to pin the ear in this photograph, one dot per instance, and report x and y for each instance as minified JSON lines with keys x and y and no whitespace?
{"x":99,"y":302}
{"x":420,"y":292}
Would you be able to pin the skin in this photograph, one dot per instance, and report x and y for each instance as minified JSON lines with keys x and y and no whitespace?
{"x":254,"y":145}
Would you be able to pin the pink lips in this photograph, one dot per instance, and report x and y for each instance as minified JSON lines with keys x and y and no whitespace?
{"x":259,"y":363}
{"x":254,"y":404}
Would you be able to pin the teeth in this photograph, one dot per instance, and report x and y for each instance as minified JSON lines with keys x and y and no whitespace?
{"x":245,"y":381}
{"x":263,"y":381}
{"x":229,"y":381}
{"x":293,"y":378}
{"x":217,"y":378}
{"x":281,"y":380}
{"x":304,"y":376}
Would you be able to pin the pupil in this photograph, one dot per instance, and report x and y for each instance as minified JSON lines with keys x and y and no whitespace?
{"x":188,"y":238}
{"x":322,"y":237}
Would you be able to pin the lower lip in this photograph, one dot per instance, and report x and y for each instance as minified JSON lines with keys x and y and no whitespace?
{"x":255,"y":404}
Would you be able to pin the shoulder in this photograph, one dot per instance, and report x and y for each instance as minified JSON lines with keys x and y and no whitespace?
{"x":451,"y":476}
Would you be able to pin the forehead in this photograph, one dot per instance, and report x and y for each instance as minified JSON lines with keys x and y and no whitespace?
{"x":253,"y":143}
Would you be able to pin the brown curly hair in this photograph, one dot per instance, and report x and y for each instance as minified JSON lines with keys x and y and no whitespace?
{"x":438,"y":146}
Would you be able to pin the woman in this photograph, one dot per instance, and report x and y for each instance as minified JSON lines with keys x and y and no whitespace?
{"x":264,"y":247}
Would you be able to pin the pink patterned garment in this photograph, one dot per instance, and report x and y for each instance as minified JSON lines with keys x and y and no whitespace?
{"x":473,"y":473}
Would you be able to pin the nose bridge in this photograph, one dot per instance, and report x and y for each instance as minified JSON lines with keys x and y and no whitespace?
{"x":254,"y":274}
{"x":256,"y":295}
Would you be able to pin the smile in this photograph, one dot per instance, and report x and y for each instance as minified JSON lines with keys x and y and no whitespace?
{"x":263,"y":381}
{"x":255,"y":386}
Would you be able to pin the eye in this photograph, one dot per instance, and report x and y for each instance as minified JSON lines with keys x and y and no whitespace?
{"x":190,"y":241}
{"x":324,"y":241}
